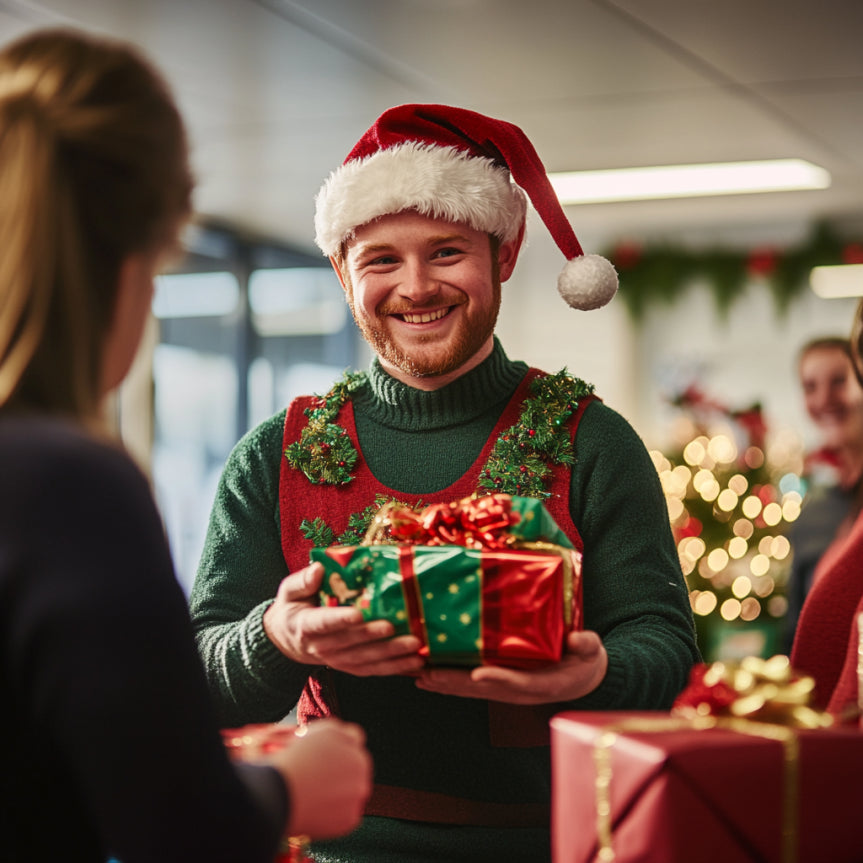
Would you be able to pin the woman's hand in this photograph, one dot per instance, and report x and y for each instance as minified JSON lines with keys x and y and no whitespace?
{"x":328,"y":771}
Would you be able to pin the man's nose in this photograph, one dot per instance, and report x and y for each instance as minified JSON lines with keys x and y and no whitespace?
{"x":419,"y":283}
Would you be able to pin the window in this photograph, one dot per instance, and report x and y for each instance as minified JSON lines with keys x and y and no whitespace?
{"x":241,"y":329}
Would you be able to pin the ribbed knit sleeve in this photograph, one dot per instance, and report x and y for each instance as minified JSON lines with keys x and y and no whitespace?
{"x":238,"y":576}
{"x":635,"y":596}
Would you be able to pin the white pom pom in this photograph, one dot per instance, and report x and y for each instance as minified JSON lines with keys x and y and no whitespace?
{"x":587,"y":282}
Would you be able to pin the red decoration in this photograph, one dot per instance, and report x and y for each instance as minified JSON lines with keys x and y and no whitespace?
{"x":691,"y":527}
{"x":693,"y":398}
{"x":824,"y":456}
{"x":752,"y":421}
{"x":705,"y":693}
{"x":852,"y":253}
{"x":626,"y":256}
{"x":761,"y":262}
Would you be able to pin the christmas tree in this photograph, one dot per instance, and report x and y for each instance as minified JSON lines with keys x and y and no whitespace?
{"x":730,"y":502}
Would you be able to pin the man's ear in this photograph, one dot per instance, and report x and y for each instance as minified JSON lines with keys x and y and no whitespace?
{"x":337,"y":266}
{"x":507,"y":254}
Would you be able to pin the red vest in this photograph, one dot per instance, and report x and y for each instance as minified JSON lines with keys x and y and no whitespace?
{"x":510,"y":725}
{"x":301,"y":499}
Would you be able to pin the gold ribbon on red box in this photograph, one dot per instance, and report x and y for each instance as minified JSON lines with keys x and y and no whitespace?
{"x":757,"y":697}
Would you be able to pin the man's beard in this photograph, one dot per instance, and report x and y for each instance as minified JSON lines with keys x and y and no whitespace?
{"x":463,"y":346}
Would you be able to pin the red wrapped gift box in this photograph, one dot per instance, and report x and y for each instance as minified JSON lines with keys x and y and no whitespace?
{"x":707,"y":795}
{"x":491,"y":580}
{"x":465,"y":605}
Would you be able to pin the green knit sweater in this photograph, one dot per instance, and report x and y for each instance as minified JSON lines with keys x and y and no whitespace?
{"x":418,"y":442}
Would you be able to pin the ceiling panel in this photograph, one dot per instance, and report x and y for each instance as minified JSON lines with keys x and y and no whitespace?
{"x":276,"y":92}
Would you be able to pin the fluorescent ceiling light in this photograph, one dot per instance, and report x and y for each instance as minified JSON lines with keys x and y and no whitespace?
{"x":684,"y":181}
{"x":843,"y":280}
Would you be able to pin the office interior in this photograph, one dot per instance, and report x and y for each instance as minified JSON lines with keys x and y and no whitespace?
{"x":716,"y":295}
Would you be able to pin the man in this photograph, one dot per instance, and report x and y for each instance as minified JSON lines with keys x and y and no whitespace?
{"x":423,"y":223}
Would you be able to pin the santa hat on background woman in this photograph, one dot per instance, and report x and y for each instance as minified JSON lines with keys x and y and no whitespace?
{"x":460,"y":166}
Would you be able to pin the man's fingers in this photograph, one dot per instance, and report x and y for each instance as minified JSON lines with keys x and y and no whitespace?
{"x":342,"y":626}
{"x":584,"y":644}
{"x":303,"y":583}
{"x":388,"y":656}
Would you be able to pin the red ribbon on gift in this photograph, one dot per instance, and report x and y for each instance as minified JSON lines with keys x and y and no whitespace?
{"x":481,"y":522}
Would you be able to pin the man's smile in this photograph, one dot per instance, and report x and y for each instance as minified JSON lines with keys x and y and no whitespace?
{"x":424,"y":317}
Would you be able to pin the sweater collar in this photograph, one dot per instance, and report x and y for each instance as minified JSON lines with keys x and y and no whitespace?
{"x":397,"y":405}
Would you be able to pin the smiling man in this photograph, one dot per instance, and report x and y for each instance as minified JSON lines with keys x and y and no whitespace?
{"x":423,"y":223}
{"x":426,"y":301}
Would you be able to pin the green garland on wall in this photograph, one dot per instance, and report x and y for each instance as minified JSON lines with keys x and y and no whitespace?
{"x":660,"y":275}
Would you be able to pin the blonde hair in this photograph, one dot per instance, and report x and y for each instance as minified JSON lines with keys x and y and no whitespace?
{"x":93,"y":168}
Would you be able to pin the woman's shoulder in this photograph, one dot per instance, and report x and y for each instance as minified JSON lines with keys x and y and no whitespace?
{"x":46,"y":455}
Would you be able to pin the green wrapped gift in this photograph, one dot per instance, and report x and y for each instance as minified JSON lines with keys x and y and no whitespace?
{"x":490,"y":580}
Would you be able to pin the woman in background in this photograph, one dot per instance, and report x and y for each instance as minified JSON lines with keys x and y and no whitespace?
{"x":833,"y":398}
{"x":110,"y":746}
{"x":827,"y":641}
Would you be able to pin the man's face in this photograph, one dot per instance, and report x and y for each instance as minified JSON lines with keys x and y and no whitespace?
{"x":426,"y":294}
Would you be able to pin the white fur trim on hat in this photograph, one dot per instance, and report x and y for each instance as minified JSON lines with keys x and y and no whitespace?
{"x":442,"y":182}
{"x":587,"y":282}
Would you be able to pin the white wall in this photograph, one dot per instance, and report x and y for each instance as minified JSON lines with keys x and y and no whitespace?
{"x":750,"y":356}
{"x":537,"y":326}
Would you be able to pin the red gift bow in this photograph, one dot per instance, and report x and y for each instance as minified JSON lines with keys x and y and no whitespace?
{"x":480,"y":522}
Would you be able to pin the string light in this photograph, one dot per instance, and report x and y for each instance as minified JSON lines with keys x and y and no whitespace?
{"x":729,"y":514}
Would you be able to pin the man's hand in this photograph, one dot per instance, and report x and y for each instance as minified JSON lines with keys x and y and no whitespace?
{"x":580,"y":671}
{"x":336,"y":637}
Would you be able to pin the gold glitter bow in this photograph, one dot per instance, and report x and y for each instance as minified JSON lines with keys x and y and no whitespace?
{"x":761,"y":690}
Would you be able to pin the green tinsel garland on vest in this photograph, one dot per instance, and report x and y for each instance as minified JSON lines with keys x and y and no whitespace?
{"x":520,"y":462}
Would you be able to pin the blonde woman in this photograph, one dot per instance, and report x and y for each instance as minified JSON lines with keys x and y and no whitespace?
{"x":110,"y":744}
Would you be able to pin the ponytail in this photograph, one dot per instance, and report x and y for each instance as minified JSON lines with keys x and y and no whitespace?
{"x":93,"y":168}
{"x":26,"y":168}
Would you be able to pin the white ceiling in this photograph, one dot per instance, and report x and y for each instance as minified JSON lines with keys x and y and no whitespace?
{"x":276,"y":92}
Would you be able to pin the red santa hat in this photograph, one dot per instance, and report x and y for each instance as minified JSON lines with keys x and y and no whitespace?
{"x":460,"y":166}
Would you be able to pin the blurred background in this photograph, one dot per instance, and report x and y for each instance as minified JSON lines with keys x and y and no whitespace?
{"x":698,"y":350}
